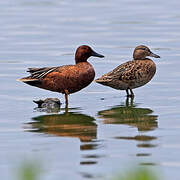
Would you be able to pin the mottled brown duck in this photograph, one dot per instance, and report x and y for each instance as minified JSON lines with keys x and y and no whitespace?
{"x":66,"y":79}
{"x":132,"y":74}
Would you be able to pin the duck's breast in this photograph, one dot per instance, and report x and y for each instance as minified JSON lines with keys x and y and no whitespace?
{"x":144,"y":71}
{"x":85,"y":75}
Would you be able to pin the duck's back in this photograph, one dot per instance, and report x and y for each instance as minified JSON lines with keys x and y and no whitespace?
{"x":131,"y":74}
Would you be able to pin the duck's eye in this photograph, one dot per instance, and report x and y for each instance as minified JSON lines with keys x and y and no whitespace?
{"x":144,"y":49}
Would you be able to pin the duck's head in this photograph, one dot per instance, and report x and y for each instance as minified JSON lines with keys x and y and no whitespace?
{"x":141,"y":52}
{"x":84,"y":52}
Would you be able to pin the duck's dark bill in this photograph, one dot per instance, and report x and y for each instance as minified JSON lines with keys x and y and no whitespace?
{"x":154,"y":55}
{"x":96,"y":54}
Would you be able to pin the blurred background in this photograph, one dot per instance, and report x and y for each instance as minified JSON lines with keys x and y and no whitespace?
{"x":103,"y":133}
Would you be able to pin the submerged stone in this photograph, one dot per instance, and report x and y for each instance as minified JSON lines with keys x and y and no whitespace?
{"x":48,"y":104}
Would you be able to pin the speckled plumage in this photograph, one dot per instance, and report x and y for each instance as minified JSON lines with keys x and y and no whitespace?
{"x":65,"y":79}
{"x":132,"y":74}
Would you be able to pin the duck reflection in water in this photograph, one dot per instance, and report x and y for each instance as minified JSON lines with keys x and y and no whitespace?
{"x":70,"y":124}
{"x":129,"y":114}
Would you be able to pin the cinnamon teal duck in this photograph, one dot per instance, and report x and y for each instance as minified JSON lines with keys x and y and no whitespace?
{"x":132,"y":74}
{"x":66,"y":79}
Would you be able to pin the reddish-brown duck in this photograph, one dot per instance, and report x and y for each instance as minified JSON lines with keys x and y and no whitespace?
{"x":65,"y":79}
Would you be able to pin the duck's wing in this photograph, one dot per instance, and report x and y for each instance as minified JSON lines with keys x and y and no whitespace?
{"x":38,"y":73}
{"x":124,"y":68}
{"x":118,"y":72}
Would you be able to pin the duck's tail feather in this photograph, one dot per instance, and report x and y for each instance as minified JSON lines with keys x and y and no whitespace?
{"x":103,"y":80}
{"x":30,"y":81}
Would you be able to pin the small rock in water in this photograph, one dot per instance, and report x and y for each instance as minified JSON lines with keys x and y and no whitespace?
{"x":48,"y":104}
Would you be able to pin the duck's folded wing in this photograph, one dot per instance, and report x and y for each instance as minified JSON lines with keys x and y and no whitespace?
{"x":38,"y":73}
{"x":118,"y":72}
{"x":134,"y":71}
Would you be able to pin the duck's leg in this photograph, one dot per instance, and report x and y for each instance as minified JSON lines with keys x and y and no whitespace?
{"x":127,"y":92}
{"x":132,"y":94}
{"x":129,"y":96}
{"x":66,"y":97}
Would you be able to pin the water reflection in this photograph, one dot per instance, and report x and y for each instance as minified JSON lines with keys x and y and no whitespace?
{"x":70,"y":124}
{"x":129,"y":114}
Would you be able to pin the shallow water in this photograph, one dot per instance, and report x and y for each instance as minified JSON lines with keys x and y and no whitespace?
{"x":103,"y":133}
